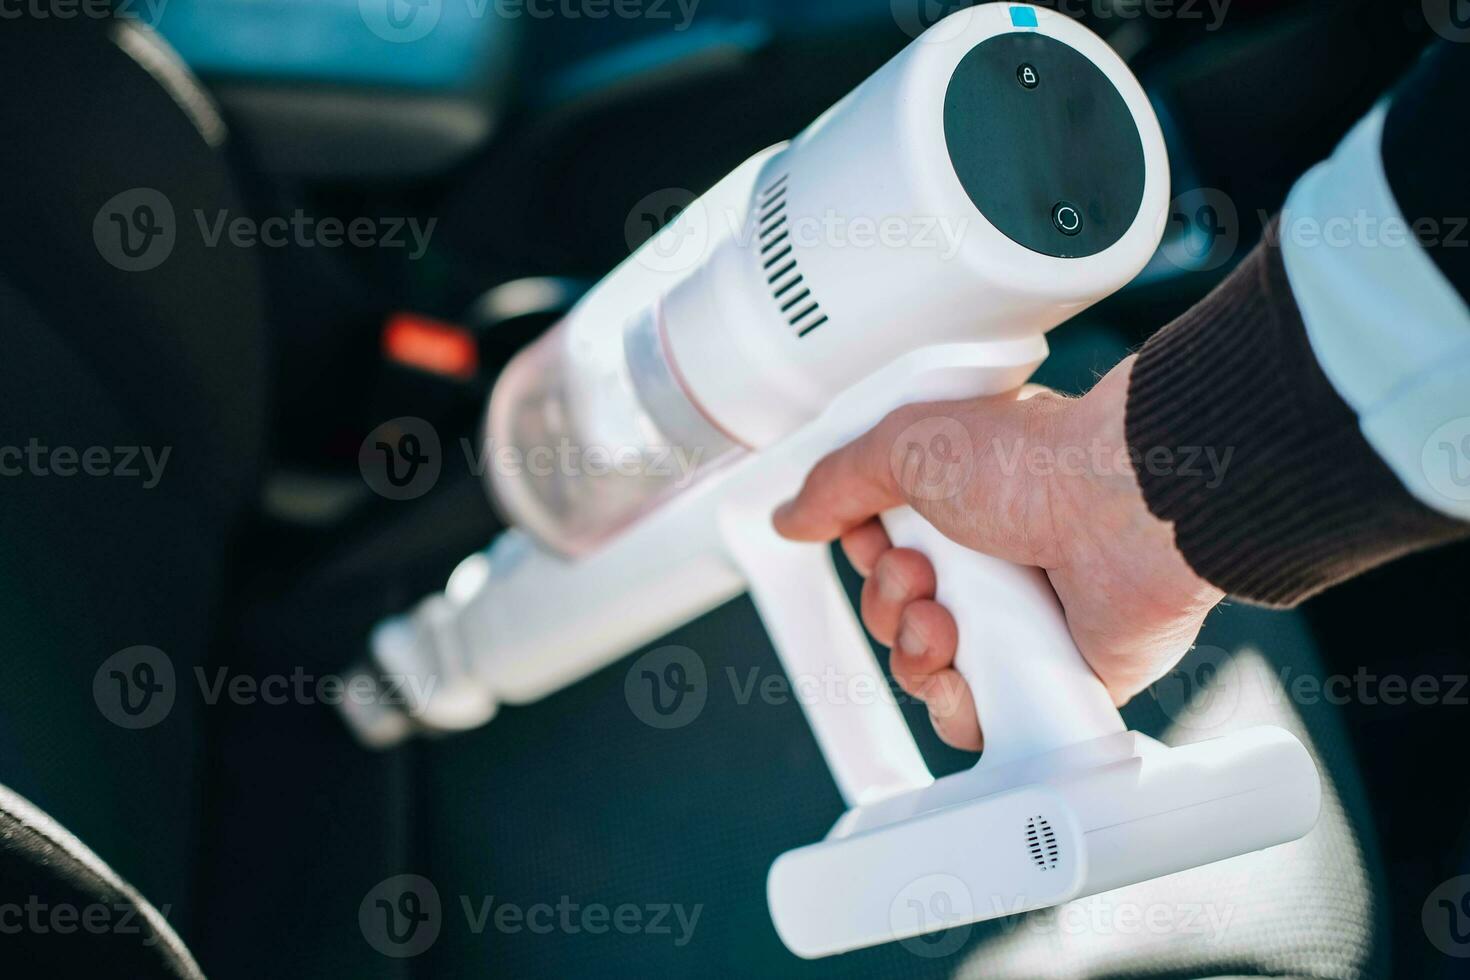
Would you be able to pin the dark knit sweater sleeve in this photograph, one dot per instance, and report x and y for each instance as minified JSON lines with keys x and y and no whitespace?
{"x":1302,"y":501}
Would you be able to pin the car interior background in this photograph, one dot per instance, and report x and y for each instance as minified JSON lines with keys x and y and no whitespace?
{"x":531,"y":153}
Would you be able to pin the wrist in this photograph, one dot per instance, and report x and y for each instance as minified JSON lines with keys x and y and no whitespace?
{"x":1121,"y":528}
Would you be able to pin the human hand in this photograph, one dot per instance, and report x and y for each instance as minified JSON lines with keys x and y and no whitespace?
{"x":1050,"y":484}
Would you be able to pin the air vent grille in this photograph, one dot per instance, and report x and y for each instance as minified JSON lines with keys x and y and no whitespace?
{"x":779,"y":263}
{"x":1041,"y":840}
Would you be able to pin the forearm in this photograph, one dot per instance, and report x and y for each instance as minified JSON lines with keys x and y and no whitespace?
{"x":1326,"y":371}
{"x":1300,"y":501}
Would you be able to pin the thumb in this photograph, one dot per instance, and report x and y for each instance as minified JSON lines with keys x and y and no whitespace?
{"x":943,"y":459}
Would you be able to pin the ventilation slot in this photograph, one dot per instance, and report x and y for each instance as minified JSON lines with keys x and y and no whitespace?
{"x":779,"y":262}
{"x":1041,"y":840}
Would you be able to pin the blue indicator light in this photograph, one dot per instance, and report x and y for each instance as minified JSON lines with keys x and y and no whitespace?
{"x":1023,"y":17}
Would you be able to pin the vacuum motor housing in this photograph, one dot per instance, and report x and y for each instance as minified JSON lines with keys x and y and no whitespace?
{"x":1000,"y":174}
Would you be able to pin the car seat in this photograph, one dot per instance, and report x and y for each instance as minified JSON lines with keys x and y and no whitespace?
{"x":249,"y":840}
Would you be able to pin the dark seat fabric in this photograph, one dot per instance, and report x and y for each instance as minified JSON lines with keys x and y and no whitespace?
{"x":99,"y":553}
{"x":576,"y":801}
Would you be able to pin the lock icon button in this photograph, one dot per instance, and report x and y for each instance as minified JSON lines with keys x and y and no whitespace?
{"x":1027,"y":76}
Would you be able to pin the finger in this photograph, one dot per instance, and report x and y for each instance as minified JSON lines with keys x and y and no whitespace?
{"x":899,"y":577}
{"x":927,"y":641}
{"x":847,"y":488}
{"x":952,"y":710}
{"x":863,"y":544}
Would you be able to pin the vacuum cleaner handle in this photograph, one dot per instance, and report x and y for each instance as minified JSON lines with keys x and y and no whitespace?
{"x":1033,"y":690}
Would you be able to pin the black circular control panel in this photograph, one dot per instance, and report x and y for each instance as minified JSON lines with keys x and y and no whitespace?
{"x":1044,"y":145}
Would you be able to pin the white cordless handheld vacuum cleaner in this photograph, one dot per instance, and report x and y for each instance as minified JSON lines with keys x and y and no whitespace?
{"x":915,"y":244}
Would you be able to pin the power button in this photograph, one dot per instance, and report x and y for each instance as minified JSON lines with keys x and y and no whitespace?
{"x":1067,"y":217}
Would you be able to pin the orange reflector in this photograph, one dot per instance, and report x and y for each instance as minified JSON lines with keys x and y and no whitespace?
{"x":430,"y":345}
